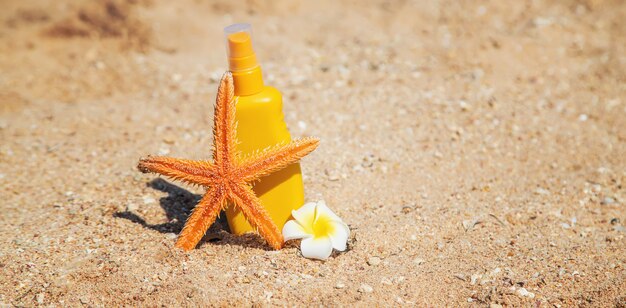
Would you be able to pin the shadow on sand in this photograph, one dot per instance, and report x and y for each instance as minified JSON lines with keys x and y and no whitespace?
{"x":178,"y":205}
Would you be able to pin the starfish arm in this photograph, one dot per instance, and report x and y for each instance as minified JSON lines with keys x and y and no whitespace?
{"x":243,"y":197}
{"x":189,"y":171}
{"x":201,"y":218}
{"x":224,"y":126}
{"x":272,"y":159}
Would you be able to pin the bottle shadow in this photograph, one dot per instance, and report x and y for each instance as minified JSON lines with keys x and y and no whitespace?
{"x":178,"y":205}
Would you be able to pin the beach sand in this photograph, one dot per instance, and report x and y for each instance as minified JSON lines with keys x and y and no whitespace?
{"x":477,"y":149}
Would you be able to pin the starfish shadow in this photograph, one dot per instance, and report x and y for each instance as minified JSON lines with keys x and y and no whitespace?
{"x":178,"y":205}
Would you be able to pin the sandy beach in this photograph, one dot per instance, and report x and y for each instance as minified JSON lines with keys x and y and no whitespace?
{"x":476,"y":149}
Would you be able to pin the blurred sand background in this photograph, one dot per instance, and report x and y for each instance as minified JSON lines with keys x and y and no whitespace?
{"x":477,"y":149}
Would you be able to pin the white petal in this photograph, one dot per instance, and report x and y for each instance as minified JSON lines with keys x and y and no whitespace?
{"x":316,"y":248}
{"x":339,"y":237}
{"x":293,"y":230}
{"x":305,"y":215}
{"x":322,"y":209}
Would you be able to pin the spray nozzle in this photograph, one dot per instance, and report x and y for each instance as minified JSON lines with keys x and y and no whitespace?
{"x":242,"y":59}
{"x":239,"y":42}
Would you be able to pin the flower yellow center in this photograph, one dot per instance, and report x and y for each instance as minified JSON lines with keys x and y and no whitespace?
{"x":322,"y":227}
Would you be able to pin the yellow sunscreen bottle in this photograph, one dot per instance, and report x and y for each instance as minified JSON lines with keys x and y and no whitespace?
{"x":260,"y":124}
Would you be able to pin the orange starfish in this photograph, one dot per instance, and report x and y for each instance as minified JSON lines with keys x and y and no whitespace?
{"x":228,"y":177}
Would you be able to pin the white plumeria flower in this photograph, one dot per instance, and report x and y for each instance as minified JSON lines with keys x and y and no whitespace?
{"x":319,"y":228}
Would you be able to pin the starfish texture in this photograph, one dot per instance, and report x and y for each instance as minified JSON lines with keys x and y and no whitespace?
{"x":228,"y":177}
